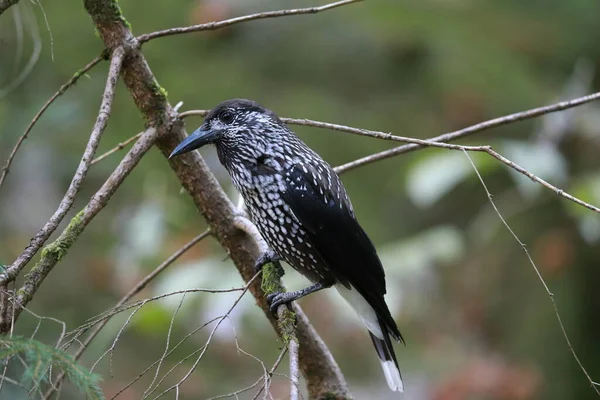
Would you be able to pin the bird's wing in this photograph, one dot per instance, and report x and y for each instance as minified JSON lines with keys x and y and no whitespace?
{"x":317,"y":198}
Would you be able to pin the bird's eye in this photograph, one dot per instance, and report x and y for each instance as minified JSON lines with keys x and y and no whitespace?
{"x":226,"y":117}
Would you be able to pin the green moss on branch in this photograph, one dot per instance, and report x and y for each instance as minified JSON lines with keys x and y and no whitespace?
{"x":271,"y":279}
{"x":271,"y":283}
{"x":51,"y":254}
{"x":106,"y":11}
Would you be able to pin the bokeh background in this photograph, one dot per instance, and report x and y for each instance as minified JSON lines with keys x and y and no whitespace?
{"x":477,"y":320}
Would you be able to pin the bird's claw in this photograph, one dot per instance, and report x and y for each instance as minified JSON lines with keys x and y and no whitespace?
{"x":268,"y":257}
{"x":276,"y":299}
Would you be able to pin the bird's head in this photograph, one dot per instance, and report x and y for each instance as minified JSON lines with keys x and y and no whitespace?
{"x":233,"y":124}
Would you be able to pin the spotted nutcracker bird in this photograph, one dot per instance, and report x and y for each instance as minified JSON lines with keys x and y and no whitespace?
{"x":301,"y":209}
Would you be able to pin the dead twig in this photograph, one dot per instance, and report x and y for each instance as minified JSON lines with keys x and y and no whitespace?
{"x":56,"y":250}
{"x":204,"y":348}
{"x":221,"y":24}
{"x":67,"y":202}
{"x":539,"y":275}
{"x":120,"y":146}
{"x":135,"y":290}
{"x":447,"y":137}
{"x":435,"y":142}
{"x":37,"y":116}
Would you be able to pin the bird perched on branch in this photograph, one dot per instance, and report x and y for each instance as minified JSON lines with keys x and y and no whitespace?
{"x":301,"y":209}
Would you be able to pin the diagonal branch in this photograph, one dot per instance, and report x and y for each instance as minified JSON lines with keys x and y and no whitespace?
{"x":416,"y":144}
{"x":357,"y":131}
{"x":447,"y":137}
{"x":67,"y":202}
{"x":316,"y":363}
{"x":37,"y":116}
{"x":221,"y":24}
{"x":53,"y":252}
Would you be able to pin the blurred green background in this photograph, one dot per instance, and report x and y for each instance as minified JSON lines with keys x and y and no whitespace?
{"x":477,"y":320}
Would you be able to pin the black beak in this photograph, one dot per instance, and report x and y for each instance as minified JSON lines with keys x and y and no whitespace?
{"x":195,"y":140}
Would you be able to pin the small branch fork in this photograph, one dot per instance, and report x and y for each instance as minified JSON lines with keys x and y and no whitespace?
{"x":67,"y":202}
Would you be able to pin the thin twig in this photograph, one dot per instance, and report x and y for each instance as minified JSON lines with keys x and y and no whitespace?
{"x":135,"y":290}
{"x":418,"y":143}
{"x":358,"y":131}
{"x":272,"y":371}
{"x":67,"y":202}
{"x":61,"y":245}
{"x":114,"y":344}
{"x":168,"y":341}
{"x":539,"y":275}
{"x":120,"y":146}
{"x":205,"y":347}
{"x":168,"y":354}
{"x":447,"y":137}
{"x":127,"y":306}
{"x":221,"y":24}
{"x":542,"y":182}
{"x":39,"y":3}
{"x":37,"y":116}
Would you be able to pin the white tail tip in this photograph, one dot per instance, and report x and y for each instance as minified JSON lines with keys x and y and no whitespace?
{"x":392,"y":375}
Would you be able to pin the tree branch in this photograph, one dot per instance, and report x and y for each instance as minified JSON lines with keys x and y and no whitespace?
{"x":539,"y":275}
{"x":135,"y":290}
{"x":316,"y":362}
{"x":67,"y":201}
{"x":118,"y":147}
{"x":221,"y":24}
{"x":447,"y":137}
{"x":359,"y":132}
{"x":53,"y":252}
{"x":436,"y":142}
{"x":37,"y":116}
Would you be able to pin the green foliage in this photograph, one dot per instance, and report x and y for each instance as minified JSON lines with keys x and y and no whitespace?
{"x":40,"y":357}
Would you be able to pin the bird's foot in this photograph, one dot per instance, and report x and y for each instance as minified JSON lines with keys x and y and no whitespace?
{"x":268,"y":257}
{"x":279,"y":298}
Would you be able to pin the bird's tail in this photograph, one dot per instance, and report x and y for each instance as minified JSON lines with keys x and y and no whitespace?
{"x":379,"y":335}
{"x":387,"y":357}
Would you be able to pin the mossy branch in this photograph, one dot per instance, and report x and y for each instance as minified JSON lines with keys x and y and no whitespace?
{"x":51,"y":254}
{"x":55,"y":251}
{"x":286,"y":318}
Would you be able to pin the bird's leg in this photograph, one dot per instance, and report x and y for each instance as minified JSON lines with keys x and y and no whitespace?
{"x":277,"y":299}
{"x":268,"y":256}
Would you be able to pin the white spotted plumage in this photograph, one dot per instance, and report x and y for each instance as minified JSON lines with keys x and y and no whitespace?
{"x":301,"y":209}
